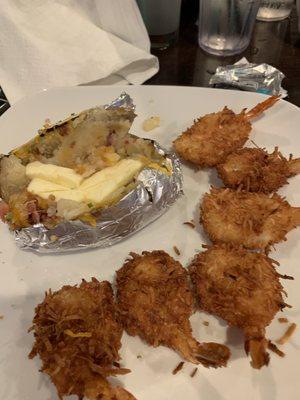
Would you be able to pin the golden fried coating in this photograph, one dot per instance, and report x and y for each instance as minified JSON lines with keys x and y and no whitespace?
{"x":241,"y":287}
{"x":212,"y":137}
{"x":78,"y":339}
{"x":256,"y":170}
{"x":253,"y":220}
{"x":155,"y":302}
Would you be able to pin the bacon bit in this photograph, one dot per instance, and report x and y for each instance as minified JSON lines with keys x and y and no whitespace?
{"x":283,"y":320}
{"x":275,"y":349}
{"x":190,"y":223}
{"x":77,"y":335}
{"x":110,"y":137}
{"x":176,"y":250}
{"x":290,"y":330}
{"x":193,"y":373}
{"x":206,"y":323}
{"x":4,"y":209}
{"x":32,"y":211}
{"x":178,"y":368}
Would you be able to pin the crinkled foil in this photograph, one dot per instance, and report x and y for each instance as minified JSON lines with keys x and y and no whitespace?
{"x":261,"y":78}
{"x":153,"y":195}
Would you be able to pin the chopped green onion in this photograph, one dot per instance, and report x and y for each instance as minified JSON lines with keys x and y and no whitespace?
{"x":8,"y":216}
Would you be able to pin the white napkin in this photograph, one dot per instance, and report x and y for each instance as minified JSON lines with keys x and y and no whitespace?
{"x":50,"y":43}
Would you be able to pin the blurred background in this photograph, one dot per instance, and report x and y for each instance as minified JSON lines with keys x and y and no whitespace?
{"x":183,"y":50}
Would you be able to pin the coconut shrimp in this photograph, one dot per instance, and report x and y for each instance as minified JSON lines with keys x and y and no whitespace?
{"x":253,"y":220}
{"x":78,"y":338}
{"x":255,"y":170}
{"x":155,"y":302}
{"x":212,"y":137}
{"x":243,"y":288}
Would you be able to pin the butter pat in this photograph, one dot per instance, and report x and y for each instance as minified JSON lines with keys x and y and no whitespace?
{"x":121,"y":174}
{"x":53,"y":173}
{"x":100,"y":187}
{"x":44,"y":189}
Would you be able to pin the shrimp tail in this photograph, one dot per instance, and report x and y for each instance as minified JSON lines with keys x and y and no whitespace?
{"x":257,"y":348}
{"x":261,"y":107}
{"x":208,"y":354}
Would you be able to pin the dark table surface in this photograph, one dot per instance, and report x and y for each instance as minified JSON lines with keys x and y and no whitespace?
{"x":275,"y":43}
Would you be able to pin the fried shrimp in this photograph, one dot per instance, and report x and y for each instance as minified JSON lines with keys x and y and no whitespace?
{"x":155,"y":302}
{"x":212,"y":137}
{"x":256,"y":170}
{"x":78,"y":338}
{"x":241,"y":287}
{"x":253,"y":220}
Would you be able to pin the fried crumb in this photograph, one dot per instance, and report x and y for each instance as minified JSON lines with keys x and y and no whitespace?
{"x":206,"y":323}
{"x":289,"y":332}
{"x":190,"y":223}
{"x":138,"y":356}
{"x":285,"y":276}
{"x":272,"y":346}
{"x":178,"y":368}
{"x":175,"y":248}
{"x":151,"y":123}
{"x":193,"y":373}
{"x":1,"y":316}
{"x":283,"y":320}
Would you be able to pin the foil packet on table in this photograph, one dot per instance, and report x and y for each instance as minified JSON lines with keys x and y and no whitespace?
{"x":153,"y":194}
{"x":260,"y":78}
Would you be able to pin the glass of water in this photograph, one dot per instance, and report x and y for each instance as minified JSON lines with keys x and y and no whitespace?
{"x":162,"y":19}
{"x":274,"y":10}
{"x":225,"y":26}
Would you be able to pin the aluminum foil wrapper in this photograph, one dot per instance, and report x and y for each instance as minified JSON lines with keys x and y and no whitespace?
{"x":260,"y":78}
{"x":154,"y":194}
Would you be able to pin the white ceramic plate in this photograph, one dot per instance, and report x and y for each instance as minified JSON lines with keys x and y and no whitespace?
{"x":24,"y":276}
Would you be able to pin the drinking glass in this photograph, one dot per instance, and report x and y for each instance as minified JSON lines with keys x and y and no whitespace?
{"x":162,"y":19}
{"x":225,"y":26}
{"x":274,"y":10}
